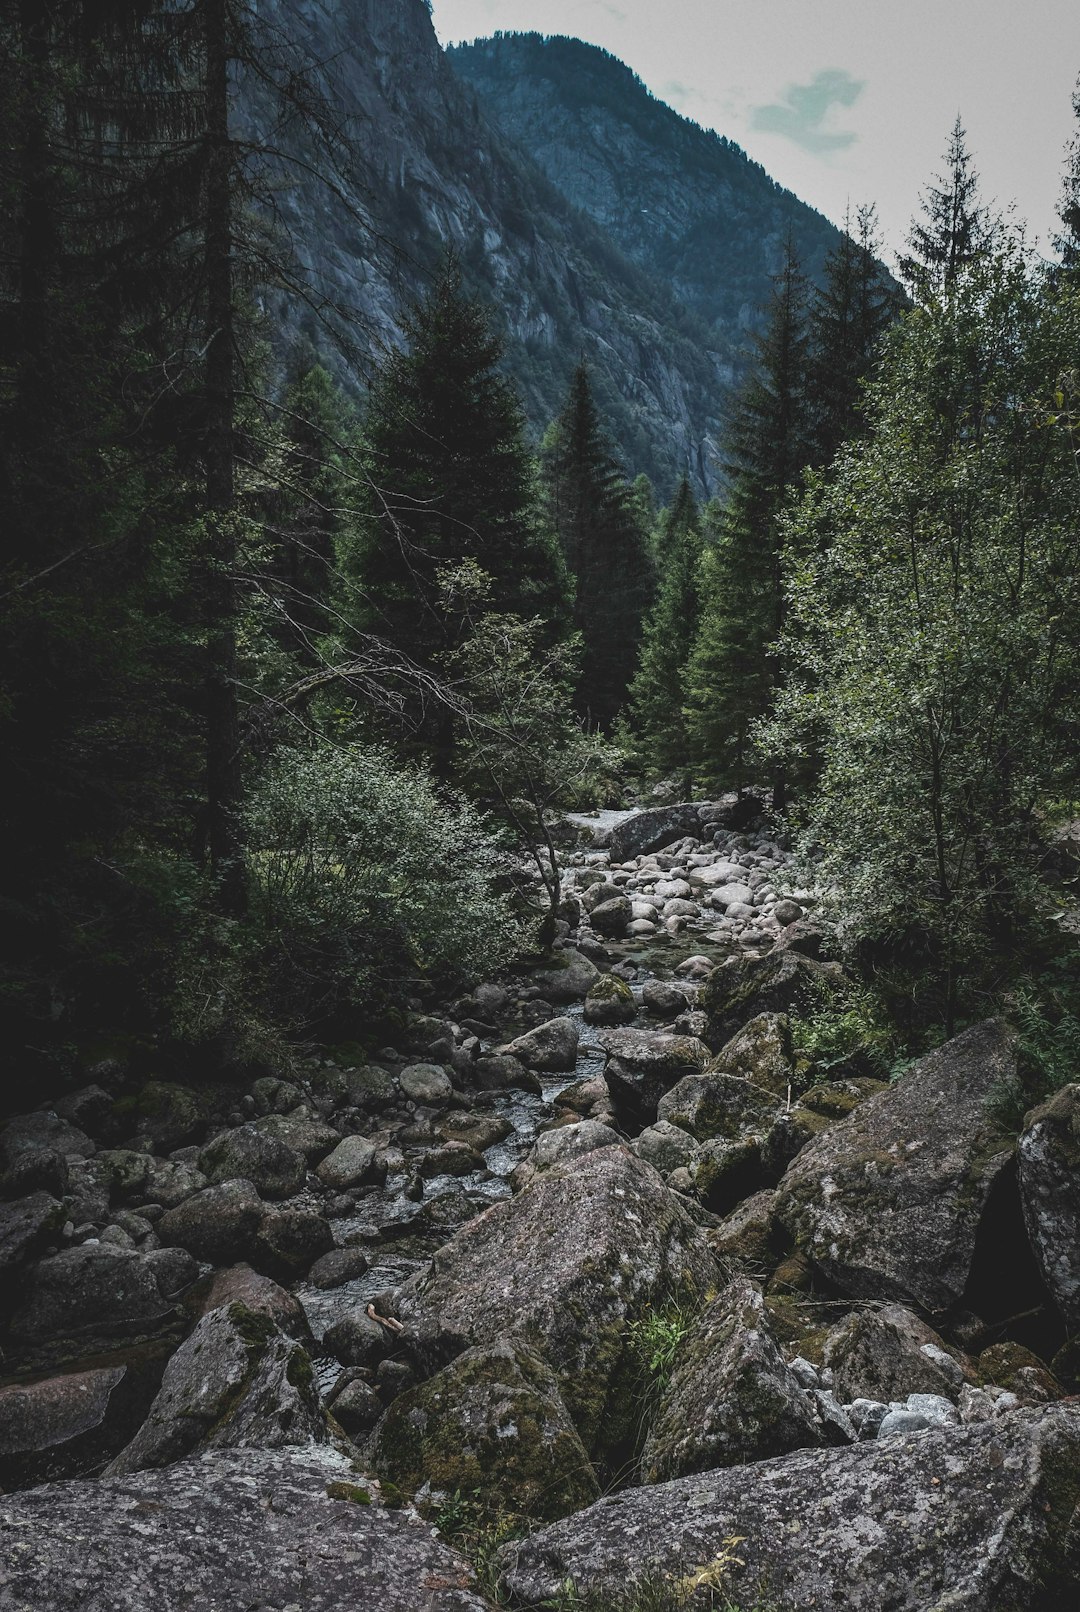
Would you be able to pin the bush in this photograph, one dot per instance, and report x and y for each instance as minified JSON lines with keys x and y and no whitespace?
{"x":362,"y":871}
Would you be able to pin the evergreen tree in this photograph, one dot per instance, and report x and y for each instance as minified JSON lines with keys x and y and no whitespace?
{"x":730,"y":671}
{"x":656,"y":695}
{"x":1067,"y":241}
{"x":849,"y":314}
{"x":605,"y":550}
{"x":451,"y":479}
{"x":955,"y":230}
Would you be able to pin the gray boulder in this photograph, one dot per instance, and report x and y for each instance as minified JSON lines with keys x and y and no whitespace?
{"x":351,"y":1164}
{"x":26,"y":1226}
{"x":731,"y":1398}
{"x":644,"y":1064}
{"x":569,"y":977}
{"x":978,"y":1519}
{"x":1049,"y":1167}
{"x":610,"y":1001}
{"x":889,"y":1353}
{"x":247,"y":1153}
{"x":714,"y":1104}
{"x":99,"y":1288}
{"x":611,"y":917}
{"x":426,"y":1083}
{"x":761,"y":1053}
{"x":887,"y":1204}
{"x":744,"y":986}
{"x":551,"y":1047}
{"x":267,"y":1529}
{"x":303,"y":1132}
{"x":652,"y":829}
{"x":565,"y":1142}
{"x":218,"y":1225}
{"x":666,"y":1147}
{"x":62,"y":1427}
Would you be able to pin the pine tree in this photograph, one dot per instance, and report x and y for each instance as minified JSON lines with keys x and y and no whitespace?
{"x":955,"y":231}
{"x":1067,"y":241}
{"x":656,"y":695}
{"x":730,"y":672}
{"x":849,"y":314}
{"x":605,"y":550}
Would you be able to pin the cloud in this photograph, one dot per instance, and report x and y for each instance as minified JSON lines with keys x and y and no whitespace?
{"x":802,"y":113}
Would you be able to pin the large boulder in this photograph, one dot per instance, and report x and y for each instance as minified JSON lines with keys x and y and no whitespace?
{"x":610,"y":1002}
{"x":1049,"y":1168}
{"x":760,"y":1052}
{"x":888,"y":1353}
{"x":977,"y":1519}
{"x":352,"y":1163}
{"x":218,"y":1225}
{"x":164,"y":1114}
{"x":652,"y":829}
{"x":643,"y":1064}
{"x":745,"y":985}
{"x":64,"y":1426}
{"x":565,"y":1266}
{"x":237,"y":1381}
{"x":100,"y":1288}
{"x":303,"y":1132}
{"x":732,"y":1398}
{"x":271,"y":1529}
{"x":26,"y":1226}
{"x":711,"y":1103}
{"x":551,"y":1047}
{"x":491,"y":1424}
{"x":274,"y":1169}
{"x":568,"y":977}
{"x":888,"y":1203}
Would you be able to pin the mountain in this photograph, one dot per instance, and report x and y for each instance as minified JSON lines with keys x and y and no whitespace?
{"x":428,"y":167}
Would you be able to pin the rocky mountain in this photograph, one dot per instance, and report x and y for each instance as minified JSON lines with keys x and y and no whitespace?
{"x":682,"y":202}
{"x":427,"y":169}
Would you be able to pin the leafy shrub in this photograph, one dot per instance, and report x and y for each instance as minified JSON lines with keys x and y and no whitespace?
{"x":847,"y":1032}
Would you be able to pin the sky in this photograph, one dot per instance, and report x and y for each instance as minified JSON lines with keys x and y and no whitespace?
{"x":846,"y":101}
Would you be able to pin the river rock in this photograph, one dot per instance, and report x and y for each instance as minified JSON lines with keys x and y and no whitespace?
{"x":97,"y":1288}
{"x":888,"y":1202}
{"x":493,"y":1425}
{"x":493,"y":1071}
{"x":974,"y":1519}
{"x":610,"y":1002}
{"x":170,"y":1183}
{"x":165,"y":1115}
{"x":652,"y":829}
{"x":236,"y":1382}
{"x":662,"y":1000}
{"x":888,"y":1353}
{"x":218,"y":1225}
{"x":712,"y":1104}
{"x":289,"y":1241}
{"x":565,"y":1266}
{"x":267,"y":1529}
{"x":426,"y":1083}
{"x":1049,"y":1168}
{"x":666,"y":1147}
{"x":239,"y":1284}
{"x":247,"y":1153}
{"x":303,"y":1132}
{"x":745,"y":985}
{"x":569,"y":977}
{"x":339,"y":1266}
{"x":551,"y":1047}
{"x":45,"y":1130}
{"x":610,"y":918}
{"x":351,"y":1164}
{"x":760,"y":1052}
{"x":564,"y":1142}
{"x":60,"y":1427}
{"x":26,"y":1226}
{"x":731,"y":1398}
{"x":644,"y":1064}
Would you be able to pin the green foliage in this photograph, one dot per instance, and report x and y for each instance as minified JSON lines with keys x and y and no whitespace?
{"x":655,"y":1338}
{"x":478,"y":1530}
{"x":656,"y":692}
{"x":846,"y":1030}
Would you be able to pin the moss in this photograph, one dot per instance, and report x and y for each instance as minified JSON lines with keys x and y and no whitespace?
{"x":255,"y":1328}
{"x":348,"y":1491}
{"x":299,"y":1372}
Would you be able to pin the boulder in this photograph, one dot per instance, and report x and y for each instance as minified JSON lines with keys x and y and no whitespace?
{"x":28,"y":1133}
{"x":301,"y":1131}
{"x":289,"y":1241}
{"x":610,"y":918}
{"x":551,"y":1047}
{"x":745,"y":985}
{"x":761,"y":1053}
{"x":666,"y":1147}
{"x":610,"y":1001}
{"x":569,"y":977}
{"x":164,"y":1114}
{"x":26,"y":1226}
{"x":339,"y":1266}
{"x":565,"y":1142}
{"x":974,"y":1519}
{"x":888,"y":1203}
{"x":652,"y":829}
{"x":351,"y":1164}
{"x":491,"y":1425}
{"x":1049,"y":1169}
{"x":745,"y":1233}
{"x":62,"y":1427}
{"x":565,"y":1266}
{"x":426,"y":1083}
{"x":731,"y":1397}
{"x":247,"y":1153}
{"x":712,"y":1104}
{"x":169,"y":1182}
{"x":643,"y":1064}
{"x":218,"y":1225}
{"x":236,"y":1382}
{"x":239,"y":1284}
{"x":286,"y":1528}
{"x":662,"y":1000}
{"x":888,"y":1353}
{"x":101,"y":1289}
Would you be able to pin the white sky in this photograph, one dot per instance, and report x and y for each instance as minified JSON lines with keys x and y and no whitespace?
{"x":845,"y":100}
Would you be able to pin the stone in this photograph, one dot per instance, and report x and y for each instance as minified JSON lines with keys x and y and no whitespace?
{"x":711,"y":1104}
{"x":28,"y":1133}
{"x":303,"y":1132}
{"x":787,"y":912}
{"x":735,"y":894}
{"x":170,"y":1183}
{"x":565,"y":1266}
{"x":1048,"y":1156}
{"x":62,"y":1427}
{"x":569,"y":977}
{"x":746,"y":985}
{"x":27,"y":1226}
{"x":492,"y":1425}
{"x":745,"y":1233}
{"x":662,"y":1000}
{"x":610,"y":918}
{"x":666,"y":1147}
{"x":351,"y":1164}
{"x":357,"y":1407}
{"x":888,"y":1203}
{"x":164,"y":1114}
{"x":357,"y":1340}
{"x":272,"y":1095}
{"x":887,"y":1353}
{"x":339,"y":1266}
{"x":565,"y":1142}
{"x":609,"y":1002}
{"x":1011,"y":1366}
{"x":731,"y":1398}
{"x":247,"y":1153}
{"x":727,"y":1171}
{"x":89,"y":1109}
{"x":480,"y":1131}
{"x":236,"y":1381}
{"x":32,"y":1169}
{"x":644,"y":1064}
{"x":494,"y":1072}
{"x":902,"y":1420}
{"x":293,"y":1530}
{"x":218,"y":1225}
{"x":426,"y":1083}
{"x":239,"y":1284}
{"x":289,"y":1241}
{"x":652,"y":829}
{"x":551,"y":1047}
{"x":974,"y":1519}
{"x":761,"y":1053}
{"x":95,"y":1288}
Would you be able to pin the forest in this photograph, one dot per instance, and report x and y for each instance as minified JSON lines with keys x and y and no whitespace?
{"x":317,"y":659}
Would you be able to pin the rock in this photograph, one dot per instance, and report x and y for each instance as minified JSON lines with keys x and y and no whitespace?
{"x":644,"y":1064}
{"x":610,"y":918}
{"x":569,"y":977}
{"x":249,"y":1154}
{"x":888,"y":1353}
{"x":551,"y":1047}
{"x":164,"y":1114}
{"x":1011,"y":1366}
{"x":888,"y":1202}
{"x":662,"y":1000}
{"x":62,"y":1427}
{"x":218,"y":1225}
{"x":480,"y":1131}
{"x":735,"y":894}
{"x":43,"y":1131}
{"x":339,"y":1266}
{"x":426,"y":1083}
{"x":976,"y":1519}
{"x":351,"y":1164}
{"x":273,"y":1096}
{"x":731,"y":1398}
{"x":95,"y":1288}
{"x":745,"y":1233}
{"x":453,"y":1158}
{"x":27,"y":1226}
{"x":1049,"y":1168}
{"x":565,"y":1266}
{"x":902,"y":1420}
{"x":491,"y":1425}
{"x":610,"y":1001}
{"x":565,"y":1142}
{"x":745,"y":985}
{"x":761,"y":1053}
{"x":285,"y":1528}
{"x":289,"y":1241}
{"x":652,"y":829}
{"x":239,"y":1284}
{"x":35,"y":1169}
{"x":494,"y":1072}
{"x":89,"y":1109}
{"x":311,"y":1137}
{"x":357,"y":1407}
{"x":169,"y":1183}
{"x":711,"y":1104}
{"x":787,"y":912}
{"x":666,"y":1147}
{"x":236,"y":1382}
{"x":357,"y":1340}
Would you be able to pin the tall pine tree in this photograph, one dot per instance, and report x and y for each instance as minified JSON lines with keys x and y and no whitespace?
{"x":656,"y":695}
{"x":849,"y":313}
{"x":955,"y":229}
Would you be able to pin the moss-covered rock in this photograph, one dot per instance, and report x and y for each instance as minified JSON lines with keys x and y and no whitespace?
{"x":610,"y":1001}
{"x":713,"y":1103}
{"x":760,"y":1052}
{"x":745,"y":986}
{"x":491,"y":1425}
{"x":1011,"y":1366}
{"x":1049,"y":1170}
{"x":889,"y":1353}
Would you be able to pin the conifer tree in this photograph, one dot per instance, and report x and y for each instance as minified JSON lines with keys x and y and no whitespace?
{"x":1067,"y":240}
{"x":849,"y":314}
{"x":955,"y":231}
{"x":656,"y":695}
{"x":605,"y":549}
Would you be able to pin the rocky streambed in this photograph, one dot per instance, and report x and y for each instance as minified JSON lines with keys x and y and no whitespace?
{"x":588,"y":1265}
